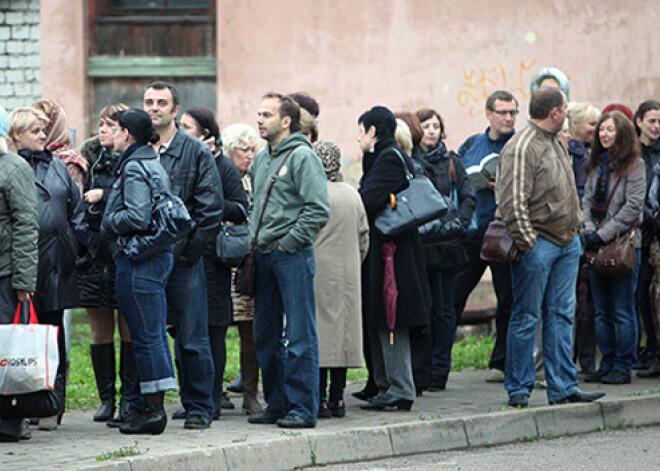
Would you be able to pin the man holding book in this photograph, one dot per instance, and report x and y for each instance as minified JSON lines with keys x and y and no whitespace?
{"x":480,"y":154}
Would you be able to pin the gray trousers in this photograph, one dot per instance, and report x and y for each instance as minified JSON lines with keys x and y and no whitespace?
{"x":392,"y":364}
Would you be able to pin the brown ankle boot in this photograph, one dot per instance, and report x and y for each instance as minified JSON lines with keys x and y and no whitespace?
{"x":250,"y":373}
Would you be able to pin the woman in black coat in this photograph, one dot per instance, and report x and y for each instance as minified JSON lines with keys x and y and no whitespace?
{"x":200,"y":122}
{"x":62,"y":229}
{"x":383,"y":173}
{"x":96,"y":280}
{"x":445,"y":169}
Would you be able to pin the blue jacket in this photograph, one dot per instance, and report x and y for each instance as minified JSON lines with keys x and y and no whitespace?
{"x":473,"y":150}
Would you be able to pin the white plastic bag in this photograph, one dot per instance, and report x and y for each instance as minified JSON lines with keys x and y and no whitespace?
{"x":28,"y":355}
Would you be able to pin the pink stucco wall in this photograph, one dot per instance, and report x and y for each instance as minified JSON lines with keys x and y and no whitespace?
{"x":63,"y":59}
{"x":445,"y":54}
{"x":404,"y":54}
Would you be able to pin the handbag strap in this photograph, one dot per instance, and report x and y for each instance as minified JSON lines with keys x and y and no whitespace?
{"x":273,"y":178}
{"x":29,"y":306}
{"x":609,"y":200}
{"x":406,"y":167}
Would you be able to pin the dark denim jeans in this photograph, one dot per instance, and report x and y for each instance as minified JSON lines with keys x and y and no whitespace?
{"x":543,"y":281}
{"x":141,"y":298}
{"x":616,"y":319}
{"x":443,"y":284}
{"x":469,"y":276}
{"x":289,"y":369}
{"x":187,"y":312}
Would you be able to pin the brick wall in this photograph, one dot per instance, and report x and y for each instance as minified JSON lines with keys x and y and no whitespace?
{"x":20,"y":62}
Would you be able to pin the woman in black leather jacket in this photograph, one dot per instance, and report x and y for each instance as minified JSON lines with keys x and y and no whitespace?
{"x":445,"y":169}
{"x":141,"y":284}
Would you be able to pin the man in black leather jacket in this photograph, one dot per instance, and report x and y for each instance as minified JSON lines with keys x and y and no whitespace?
{"x":194,"y":178}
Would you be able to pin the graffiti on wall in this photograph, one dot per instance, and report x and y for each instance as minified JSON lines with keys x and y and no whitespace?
{"x":477,"y":83}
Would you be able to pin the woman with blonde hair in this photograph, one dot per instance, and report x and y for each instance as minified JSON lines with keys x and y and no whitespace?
{"x":62,"y":229}
{"x":240,"y":145}
{"x":582,"y":119}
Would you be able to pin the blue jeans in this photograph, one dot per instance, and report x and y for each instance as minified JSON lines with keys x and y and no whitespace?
{"x":616,"y":319}
{"x":443,"y":321}
{"x":543,"y":281}
{"x":141,"y":298}
{"x":187,"y":306}
{"x":285,"y":287}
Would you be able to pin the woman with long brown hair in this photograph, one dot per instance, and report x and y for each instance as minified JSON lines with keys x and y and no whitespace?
{"x":613,"y":200}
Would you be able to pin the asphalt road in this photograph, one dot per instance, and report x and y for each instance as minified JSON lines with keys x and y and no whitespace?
{"x":631,"y":449}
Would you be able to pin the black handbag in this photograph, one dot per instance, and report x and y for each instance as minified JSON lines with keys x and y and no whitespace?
{"x":170,"y":222}
{"x":232,"y":243}
{"x":412,"y":207}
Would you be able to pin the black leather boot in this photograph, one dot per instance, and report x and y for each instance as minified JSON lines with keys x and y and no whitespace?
{"x":652,"y":372}
{"x":152,"y":419}
{"x":103,"y":361}
{"x":129,"y":390}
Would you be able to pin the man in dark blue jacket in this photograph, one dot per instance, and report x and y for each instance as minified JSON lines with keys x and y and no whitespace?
{"x":194,"y":178}
{"x":501,"y":112}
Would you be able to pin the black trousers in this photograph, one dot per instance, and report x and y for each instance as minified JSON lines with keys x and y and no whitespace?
{"x":467,"y":279}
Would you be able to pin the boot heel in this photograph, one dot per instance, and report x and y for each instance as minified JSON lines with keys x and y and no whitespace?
{"x":404,"y":404}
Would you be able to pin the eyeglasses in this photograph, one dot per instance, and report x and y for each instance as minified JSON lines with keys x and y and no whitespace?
{"x":513,"y":113}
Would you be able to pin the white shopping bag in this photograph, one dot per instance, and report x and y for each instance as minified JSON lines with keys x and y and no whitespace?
{"x":28,"y":355}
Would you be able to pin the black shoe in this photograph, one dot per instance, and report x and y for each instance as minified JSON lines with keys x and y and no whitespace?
{"x":225,"y":402}
{"x":197,"y":422}
{"x":596,"y":377}
{"x":237,"y":385}
{"x":294,"y":421}
{"x":179,"y":414}
{"x":381,"y":402}
{"x":266,"y":417}
{"x":105,"y":412}
{"x":579,"y":397}
{"x":616,"y":377}
{"x":324,"y":410}
{"x":126,"y":415}
{"x":438,"y":383}
{"x":518,"y":400}
{"x":338,"y":409}
{"x":652,"y":372}
{"x":151,"y":421}
{"x":644,"y":359}
{"x":365,"y":394}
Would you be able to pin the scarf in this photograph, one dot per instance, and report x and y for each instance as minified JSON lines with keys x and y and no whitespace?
{"x":655,"y":187}
{"x":599,"y":202}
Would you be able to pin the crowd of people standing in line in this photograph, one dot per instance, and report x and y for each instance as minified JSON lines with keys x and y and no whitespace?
{"x":559,"y":193}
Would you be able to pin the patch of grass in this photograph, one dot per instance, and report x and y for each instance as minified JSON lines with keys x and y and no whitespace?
{"x":123,"y":452}
{"x":470,"y":353}
{"x":290,"y":433}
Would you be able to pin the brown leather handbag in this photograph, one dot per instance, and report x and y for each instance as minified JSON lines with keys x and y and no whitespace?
{"x":618,"y":256}
{"x":498,"y":246}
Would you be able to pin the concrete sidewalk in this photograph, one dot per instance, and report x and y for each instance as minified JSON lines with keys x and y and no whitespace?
{"x":469,"y":413}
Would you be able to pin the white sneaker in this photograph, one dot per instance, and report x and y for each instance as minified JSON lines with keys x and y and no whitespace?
{"x":495,"y":376}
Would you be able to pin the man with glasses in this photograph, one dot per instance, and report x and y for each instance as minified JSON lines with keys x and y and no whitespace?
{"x":501,"y":112}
